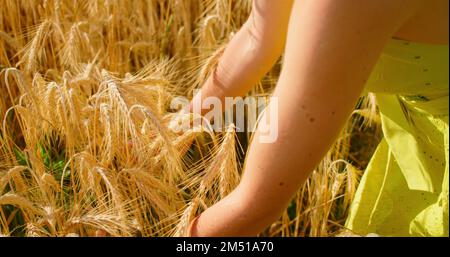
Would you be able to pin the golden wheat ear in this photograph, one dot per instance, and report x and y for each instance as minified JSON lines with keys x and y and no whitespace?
{"x":183,"y":227}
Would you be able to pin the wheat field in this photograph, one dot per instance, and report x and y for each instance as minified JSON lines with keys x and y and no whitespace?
{"x":84,"y":138}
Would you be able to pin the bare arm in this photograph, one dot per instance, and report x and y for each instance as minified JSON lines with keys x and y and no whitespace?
{"x":331,"y":48}
{"x":252,"y":51}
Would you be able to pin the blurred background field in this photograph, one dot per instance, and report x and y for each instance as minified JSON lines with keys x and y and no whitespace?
{"x":84,"y":139}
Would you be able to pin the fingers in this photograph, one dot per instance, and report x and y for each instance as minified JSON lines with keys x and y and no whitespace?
{"x":100,"y":233}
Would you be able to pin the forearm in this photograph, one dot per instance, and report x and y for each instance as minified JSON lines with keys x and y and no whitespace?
{"x":243,"y":63}
{"x":251,"y":53}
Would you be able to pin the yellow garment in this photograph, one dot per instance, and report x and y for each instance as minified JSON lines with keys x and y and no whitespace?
{"x":404,"y":190}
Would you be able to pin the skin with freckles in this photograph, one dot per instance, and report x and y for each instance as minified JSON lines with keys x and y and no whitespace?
{"x":330,"y":49}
